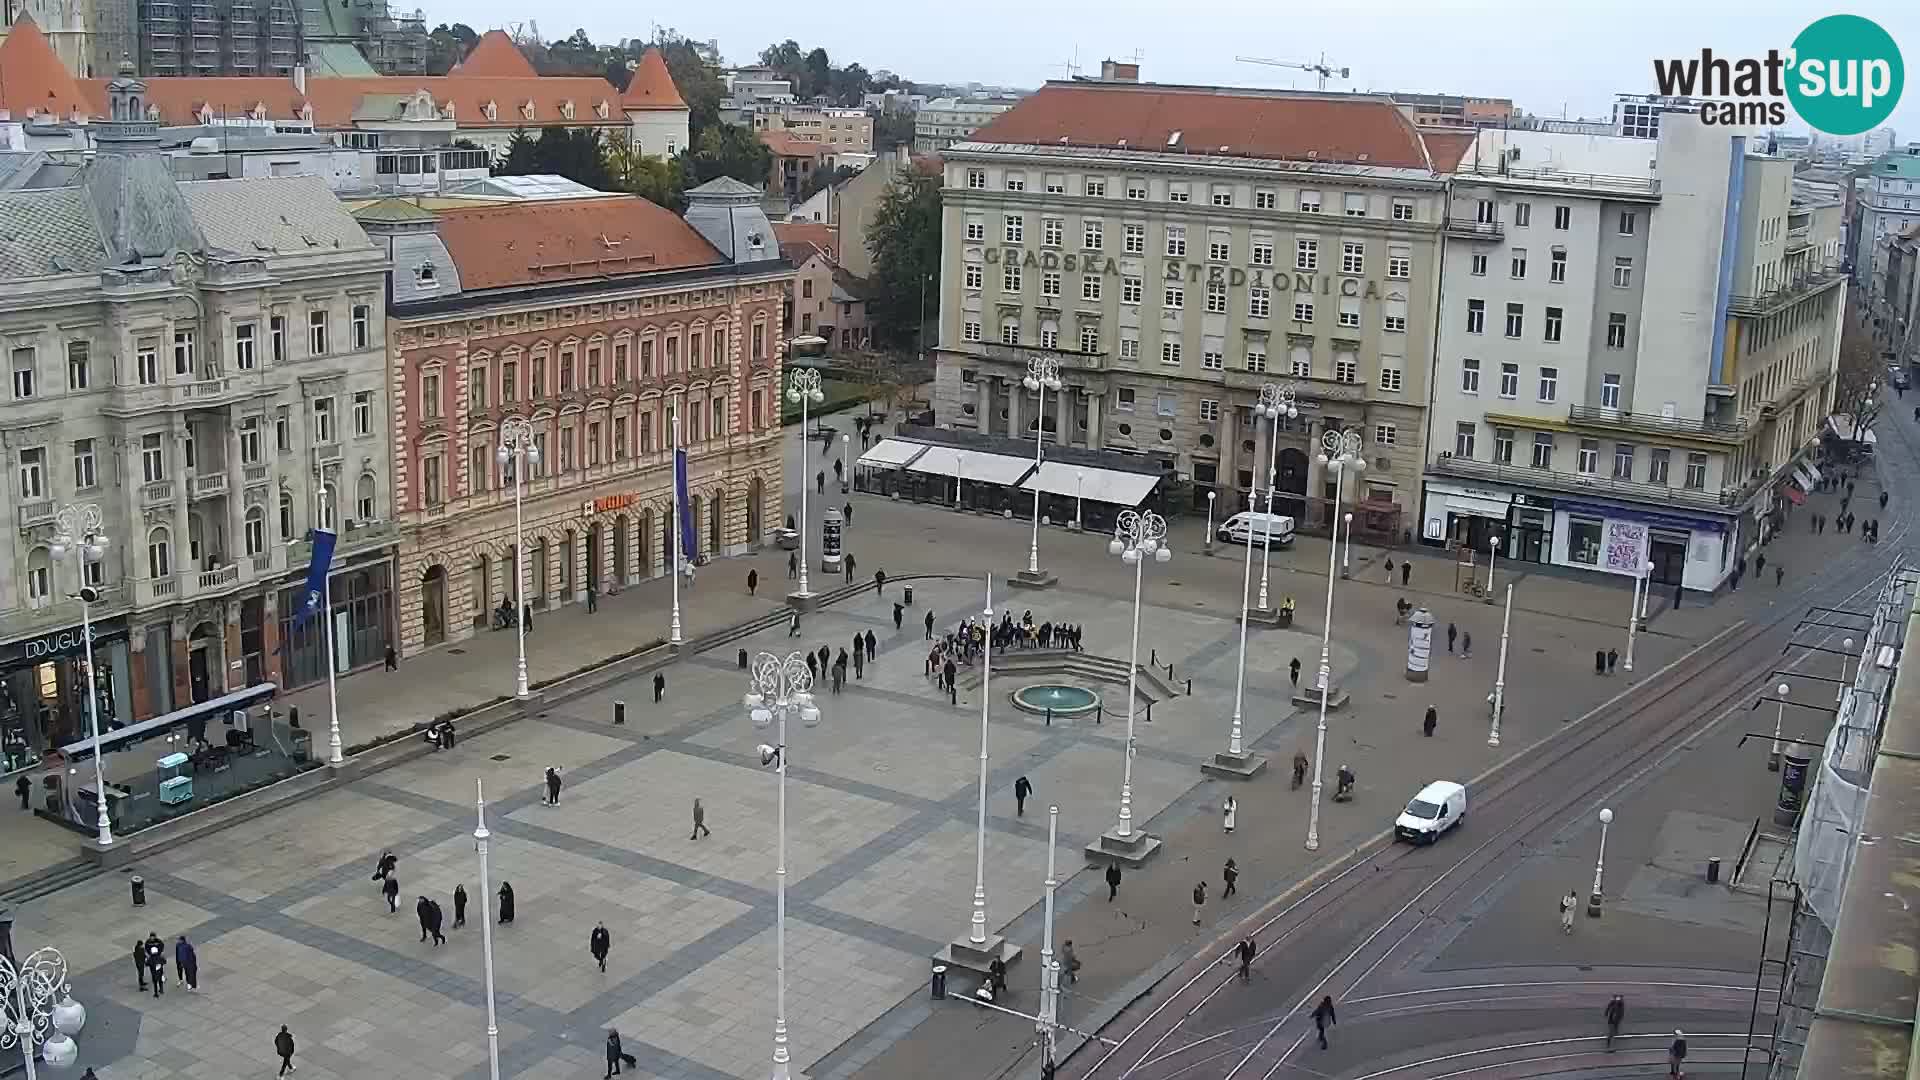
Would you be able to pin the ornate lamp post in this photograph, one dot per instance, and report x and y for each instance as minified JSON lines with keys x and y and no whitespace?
{"x":518,"y":454}
{"x":977,"y":923}
{"x":1599,"y":865}
{"x":480,"y":838}
{"x":80,"y":535}
{"x":1499,"y":706}
{"x":803,"y":388}
{"x":1783,"y":691}
{"x":1340,"y":451}
{"x":780,"y":686}
{"x":1138,"y":536}
{"x":1276,"y":401}
{"x":40,"y":1017}
{"x":1642,"y":586}
{"x":1043,"y":374}
{"x":1207,"y":538}
{"x":1346,"y":550}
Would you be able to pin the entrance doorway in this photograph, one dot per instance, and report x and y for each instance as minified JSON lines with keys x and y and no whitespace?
{"x":756,"y":500}
{"x":203,"y":662}
{"x":716,"y":511}
{"x":622,"y":539}
{"x":433,"y":604}
{"x":1291,"y":485}
{"x":480,"y":587}
{"x":1668,"y":553}
{"x":594,"y":548}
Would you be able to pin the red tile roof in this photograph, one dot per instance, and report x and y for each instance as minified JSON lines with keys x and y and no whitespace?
{"x":495,"y":56}
{"x":32,"y":78}
{"x":652,"y":86}
{"x":533,"y":243}
{"x":335,"y":100}
{"x":1349,"y":129}
{"x":787,"y":144}
{"x":1447,"y":147}
{"x":812,"y":235}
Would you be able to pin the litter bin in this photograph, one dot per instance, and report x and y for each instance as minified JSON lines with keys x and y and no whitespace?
{"x":906,"y":594}
{"x":939,"y":982}
{"x":138,"y":885}
{"x":619,"y":712}
{"x":1713,"y":871}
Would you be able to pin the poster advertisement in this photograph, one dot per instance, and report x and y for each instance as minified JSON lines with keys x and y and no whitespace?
{"x":1624,"y":547}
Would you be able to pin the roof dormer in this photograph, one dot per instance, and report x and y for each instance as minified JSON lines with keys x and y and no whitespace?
{"x":566,"y":109}
{"x":259,"y":110}
{"x":527,"y":109}
{"x":601,"y":109}
{"x":205,"y":113}
{"x":491,"y":109}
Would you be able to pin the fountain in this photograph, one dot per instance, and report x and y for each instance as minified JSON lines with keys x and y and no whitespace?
{"x":1056,"y":698}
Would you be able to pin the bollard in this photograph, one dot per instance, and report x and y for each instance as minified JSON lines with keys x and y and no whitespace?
{"x":1189,"y":686}
{"x":1599,"y":661}
{"x":1149,"y":712}
{"x":906,"y":593}
{"x":1713,"y":871}
{"x":619,"y":712}
{"x":1049,"y":716}
{"x":138,"y":886}
{"x":293,"y":716}
{"x":939,"y":982}
{"x":742,"y":659}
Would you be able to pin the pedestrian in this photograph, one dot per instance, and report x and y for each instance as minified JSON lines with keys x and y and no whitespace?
{"x":140,"y":961}
{"x":997,"y":977}
{"x":1245,"y":952}
{"x":659,"y":686}
{"x":846,"y":511}
{"x":420,"y":912}
{"x":699,"y":821}
{"x":873,"y":645}
{"x":793,"y":625}
{"x":617,"y":1055}
{"x":1389,"y":569}
{"x":1406,"y":571}
{"x":1613,"y":657}
{"x":1230,"y":875}
{"x":1199,"y":900}
{"x":1322,"y":1016}
{"x":385,"y":866}
{"x":1229,"y":814}
{"x":391,"y":890}
{"x":820,"y":482}
{"x":506,"y":903}
{"x":849,"y":569}
{"x":1452,"y":633}
{"x":1677,"y":1053}
{"x":813,"y":664}
{"x":753,"y":581}
{"x":859,"y":659}
{"x":1113,"y":881}
{"x":393,"y":659}
{"x":929,"y":622}
{"x":283,"y":1045}
{"x":593,"y":598}
{"x":899,"y":613}
{"x":1431,"y":721}
{"x":599,"y":943}
{"x":1616,"y":1012}
{"x":553,"y":784}
{"x":436,"y":918}
{"x":1069,"y":963}
{"x":1883,"y":500}
{"x":1760,"y":563}
{"x":1022,"y":788}
{"x":879,"y":581}
{"x":947,"y":673}
{"x":157,"y":966}
{"x":793,"y":566}
{"x":23,"y":787}
{"x":459,"y":906}
{"x":1567,"y":904}
{"x":526,"y":617}
{"x":1293,"y":672}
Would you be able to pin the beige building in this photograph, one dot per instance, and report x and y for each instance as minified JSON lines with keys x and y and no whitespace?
{"x":1176,"y":247}
{"x":838,"y":131}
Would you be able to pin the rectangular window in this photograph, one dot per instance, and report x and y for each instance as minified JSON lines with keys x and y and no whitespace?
{"x":1213,"y":360}
{"x":1503,"y":446}
{"x":433,"y":479}
{"x":1217,"y":297}
{"x":1173,"y":297}
{"x":1016,"y":228}
{"x":1390,"y":376}
{"x":1622,"y":272}
{"x":1476,"y":316}
{"x":1353,"y":258}
{"x":1610,"y":391}
{"x":1050,"y":283}
{"x":1306,"y":255}
{"x":1542,"y":450}
{"x":146,"y":362}
{"x":1129,"y":345}
{"x":283,"y":431}
{"x":1016,"y":181}
{"x":1302,"y":311}
{"x":23,"y":372}
{"x":1265,"y":200}
{"x":1402,"y":210}
{"x":1090,"y":339}
{"x":1262,"y":251}
{"x":1386,"y":434}
{"x":1166,"y":406}
{"x":430,"y":396}
{"x":1170,"y":352}
{"x":1053,"y":231}
{"x":1470,"y":376}
{"x":1346,"y":369}
{"x":617,"y":445}
{"x":1301,"y":361}
{"x":1563,"y":217}
{"x":1123,"y":399}
{"x":1516,"y":319}
{"x":1010,"y":332}
{"x":976,"y":233}
{"x":1130,"y":290}
{"x":977,"y":179}
{"x":1137,"y":190}
{"x":183,"y":352}
{"x":1616,"y":330}
{"x":1209,"y":411}
{"x":1222,"y":195}
{"x":153,"y":458}
{"x":1177,"y":192}
{"x":1096,"y":187}
{"x":1522,"y":214}
{"x":1557,"y":268}
{"x":323,"y":432}
{"x":1696,"y":472}
{"x":1010,"y":278}
{"x":362,"y":325}
{"x":1219,"y":247}
{"x":1485,"y":212}
{"x":1623,"y":461}
{"x":1519,"y":264}
{"x":1477,"y":265}
{"x":86,"y":478}
{"x":970,"y":331}
{"x":1092,"y":236}
{"x":1055,"y":183}
{"x":1176,"y":241}
{"x":566,"y":363}
{"x":1549,"y":383}
{"x":1090,"y":287}
{"x":1134,"y":239}
{"x":33,"y":473}
{"x":317,"y":332}
{"x":1464,"y":435}
{"x":1259,"y":303}
{"x":509,"y":380}
{"x":1509,"y":380}
{"x":974,"y":277}
{"x":250,"y":441}
{"x":1256,"y":360}
{"x":1657,"y":462}
{"x":1628,"y":220}
{"x":277,"y":332}
{"x":1399,"y":267}
{"x":1349,"y":311}
{"x":363,"y":412}
{"x":1554,"y":318}
{"x":1309,"y":202}
{"x":79,"y":366}
{"x":1049,"y":336}
{"x":1356,"y":205}
{"x":243,"y":359}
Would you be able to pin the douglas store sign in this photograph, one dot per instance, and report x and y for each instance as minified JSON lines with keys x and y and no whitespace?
{"x":58,"y":643}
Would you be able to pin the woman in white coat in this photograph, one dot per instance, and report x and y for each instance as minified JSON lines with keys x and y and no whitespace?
{"x":1229,"y":811}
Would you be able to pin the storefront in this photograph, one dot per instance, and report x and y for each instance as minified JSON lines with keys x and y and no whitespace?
{"x":362,"y":619}
{"x":43,"y":703}
{"x":1689,"y":551}
{"x":1459,"y":516}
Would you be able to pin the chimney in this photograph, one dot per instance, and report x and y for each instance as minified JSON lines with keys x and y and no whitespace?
{"x":300,"y":79}
{"x":1117,"y":71}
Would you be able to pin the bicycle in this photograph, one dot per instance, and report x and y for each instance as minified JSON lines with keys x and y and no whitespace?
{"x":1473,"y":588}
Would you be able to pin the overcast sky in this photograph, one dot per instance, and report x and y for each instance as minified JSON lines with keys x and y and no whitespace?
{"x":1571,"y":54}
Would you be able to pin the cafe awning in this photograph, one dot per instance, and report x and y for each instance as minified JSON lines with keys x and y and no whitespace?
{"x":892,"y":453}
{"x":975,"y":465}
{"x":1093,"y":484}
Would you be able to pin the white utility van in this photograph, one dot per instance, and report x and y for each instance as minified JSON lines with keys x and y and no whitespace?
{"x":1440,"y":806}
{"x":1253,"y":527}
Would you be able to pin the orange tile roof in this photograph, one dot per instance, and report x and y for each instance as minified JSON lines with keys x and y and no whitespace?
{"x":32,"y":78}
{"x":1446,"y":148}
{"x":1254,"y":123}
{"x":569,"y":240}
{"x":652,"y":85}
{"x":495,"y":56}
{"x":335,"y":100}
{"x":810,"y":234}
{"x":787,"y":144}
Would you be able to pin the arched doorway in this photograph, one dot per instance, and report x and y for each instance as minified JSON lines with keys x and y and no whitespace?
{"x":716,"y":521}
{"x":622,"y":569}
{"x":644,"y":556}
{"x":433,"y":605}
{"x":1292,"y":481}
{"x":203,"y":662}
{"x":569,"y":567}
{"x":595,"y":546}
{"x":537,"y":582}
{"x":756,"y":507}
{"x":480,"y":588}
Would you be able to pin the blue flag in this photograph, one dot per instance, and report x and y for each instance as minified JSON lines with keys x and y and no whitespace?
{"x":680,"y":503}
{"x":317,"y":570}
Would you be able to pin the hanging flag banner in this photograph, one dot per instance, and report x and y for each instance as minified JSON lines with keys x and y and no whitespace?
{"x":323,"y":541}
{"x":681,"y":504}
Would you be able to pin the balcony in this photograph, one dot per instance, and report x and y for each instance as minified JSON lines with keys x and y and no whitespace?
{"x":217,"y":578}
{"x":36,"y":513}
{"x":157,"y":494}
{"x":1308,"y":388}
{"x":153,"y":592}
{"x":1724,"y":501}
{"x":1469,"y":229}
{"x":1763,"y":305}
{"x":198,"y":394}
{"x":1593,"y":416}
{"x":1069,"y":359}
{"x":207,"y":485}
{"x":259,"y":474}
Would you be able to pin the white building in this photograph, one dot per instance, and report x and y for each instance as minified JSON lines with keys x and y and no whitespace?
{"x":1637,"y":343}
{"x":944,"y":121}
{"x":202,"y":363}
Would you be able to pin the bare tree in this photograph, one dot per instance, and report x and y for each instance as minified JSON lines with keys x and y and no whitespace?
{"x":1857,"y":388}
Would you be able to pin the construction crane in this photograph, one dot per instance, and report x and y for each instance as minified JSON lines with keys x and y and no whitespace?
{"x":1321,"y":69}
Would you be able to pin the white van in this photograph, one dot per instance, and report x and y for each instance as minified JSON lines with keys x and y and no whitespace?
{"x":1440,"y":806}
{"x":1253,"y":527}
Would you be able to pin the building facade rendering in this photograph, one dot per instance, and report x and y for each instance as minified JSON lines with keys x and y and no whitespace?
{"x":1637,"y":346}
{"x":1173,"y":248}
{"x":605,"y":325}
{"x":202,"y":366}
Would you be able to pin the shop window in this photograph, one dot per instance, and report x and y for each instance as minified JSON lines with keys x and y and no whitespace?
{"x":1583,"y":540}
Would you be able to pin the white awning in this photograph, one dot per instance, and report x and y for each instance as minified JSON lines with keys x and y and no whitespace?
{"x":892,"y":453}
{"x":975,"y":465}
{"x":1804,"y":476}
{"x":1093,"y":484}
{"x":1842,"y":428}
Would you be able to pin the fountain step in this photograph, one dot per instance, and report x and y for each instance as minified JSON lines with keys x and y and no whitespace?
{"x":1307,"y":697}
{"x":1132,"y":851}
{"x":1226,"y":766}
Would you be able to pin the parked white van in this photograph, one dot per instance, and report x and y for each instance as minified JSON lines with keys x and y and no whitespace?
{"x":1253,"y":527}
{"x":1440,"y":806}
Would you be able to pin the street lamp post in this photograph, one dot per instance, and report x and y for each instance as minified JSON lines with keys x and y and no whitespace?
{"x":1275,"y":402}
{"x":1346,"y":551}
{"x":1493,"y":560}
{"x":1779,"y":720}
{"x":1043,"y":374}
{"x":977,"y":923}
{"x":40,"y":1017}
{"x":1049,"y":967}
{"x":1599,"y":865}
{"x":480,"y":846}
{"x":518,"y":454}
{"x":780,"y":686}
{"x":1640,"y":582}
{"x":1079,"y":499}
{"x":846,"y":455}
{"x":1207,"y":549}
{"x":79,"y":534}
{"x":1646,"y":594}
{"x":1500,"y":679}
{"x":1340,"y":451}
{"x":1139,"y":535}
{"x":1846,"y":654}
{"x":803,"y":388}
{"x":335,"y":755}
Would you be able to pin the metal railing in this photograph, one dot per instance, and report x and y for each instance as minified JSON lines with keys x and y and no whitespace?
{"x":1642,"y":185}
{"x":1583,"y":483}
{"x":1763,"y":304}
{"x":1475,"y":230}
{"x":1675,"y":425}
{"x":1020,"y":354}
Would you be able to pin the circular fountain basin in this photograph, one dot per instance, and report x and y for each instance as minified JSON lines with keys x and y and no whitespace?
{"x":1057,"y":698}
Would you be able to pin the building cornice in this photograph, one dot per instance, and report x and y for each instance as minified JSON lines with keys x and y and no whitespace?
{"x":1196,"y":213}
{"x":520,"y":297}
{"x":1123,"y":159}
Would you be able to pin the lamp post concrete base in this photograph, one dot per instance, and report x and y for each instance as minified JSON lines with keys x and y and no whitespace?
{"x":532,"y":702}
{"x":1131,"y":852}
{"x":1308,"y":697}
{"x":832,"y":565}
{"x":1593,"y":905}
{"x":1266,"y":616}
{"x":804,"y":602}
{"x":965,"y":955}
{"x":1033,"y":579}
{"x":1242,"y":766}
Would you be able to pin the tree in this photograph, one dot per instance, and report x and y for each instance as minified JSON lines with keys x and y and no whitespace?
{"x":661,"y":181}
{"x":699,"y":86}
{"x":1857,"y":389}
{"x":729,"y":150}
{"x":448,"y":45}
{"x":891,"y":129}
{"x":904,"y":241}
{"x":574,"y":153}
{"x":813,"y":75}
{"x":519,"y":160}
{"x":822,"y":176}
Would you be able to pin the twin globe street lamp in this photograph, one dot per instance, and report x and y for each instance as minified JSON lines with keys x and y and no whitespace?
{"x":40,"y":1015}
{"x":1138,"y":536}
{"x":518,"y":454}
{"x":803,"y":389}
{"x":1276,"y":403}
{"x":1043,"y":374}
{"x":778,"y":687}
{"x":1341,"y":451}
{"x":79,"y":534}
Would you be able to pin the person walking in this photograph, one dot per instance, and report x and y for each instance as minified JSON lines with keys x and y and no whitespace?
{"x":1613,"y":659}
{"x":659,"y":686}
{"x":753,"y":582}
{"x":140,"y":961}
{"x":1389,"y":565}
{"x":1760,"y":563}
{"x":899,"y":614}
{"x":1466,"y":644}
{"x":1677,"y":1055}
{"x":1245,"y":951}
{"x":617,"y":1055}
{"x":849,"y":569}
{"x":1323,"y":1016}
{"x":929,"y":622}
{"x":1883,"y":500}
{"x":599,"y":943}
{"x":1022,"y":788}
{"x":593,"y":598}
{"x":1452,"y":633}
{"x":393,"y":659}
{"x":873,"y":645}
{"x":186,"y":964}
{"x":420,"y":912}
{"x":526,"y":617}
{"x":283,"y":1046}
{"x":1113,"y":881}
{"x":385,"y":866}
{"x":1616,"y":1012}
{"x":1293,"y":672}
{"x":793,"y":625}
{"x":23,"y":787}
{"x":997,"y":977}
{"x":699,"y":821}
{"x":1230,"y":874}
{"x":1229,"y":814}
{"x":879,"y":581}
{"x":459,"y":906}
{"x":1567,"y":905}
{"x":553,"y":785}
{"x":793,"y":566}
{"x":1432,"y":721}
{"x":1199,"y":900}
{"x":157,"y":966}
{"x":820,"y":482}
{"x":390,"y":889}
{"x":505,"y":897}
{"x":1779,"y":575}
{"x":1406,"y":572}
{"x":436,"y":918}
{"x":1069,"y":962}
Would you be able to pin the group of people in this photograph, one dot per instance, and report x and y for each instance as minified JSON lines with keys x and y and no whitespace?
{"x":1047,"y":635}
{"x":861,"y":650}
{"x":431,"y":915}
{"x":150,"y":964}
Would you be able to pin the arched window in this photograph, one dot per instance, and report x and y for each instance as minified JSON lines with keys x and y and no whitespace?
{"x":159,"y":553}
{"x":256,"y":530}
{"x":363,"y":500}
{"x":39,"y":577}
{"x":286,"y":516}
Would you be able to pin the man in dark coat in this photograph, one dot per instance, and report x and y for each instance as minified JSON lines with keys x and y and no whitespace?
{"x":617,"y":1055}
{"x":659,"y":686}
{"x":283,"y":1045}
{"x":157,"y":964}
{"x":459,"y":906}
{"x":880,"y":577}
{"x":187,"y":963}
{"x":506,"y":903}
{"x":899,"y":614}
{"x":753,"y":581}
{"x":873,"y":643}
{"x":599,"y":943}
{"x":1113,"y":881}
{"x":436,"y":918}
{"x":420,"y":912}
{"x":1322,"y":1016}
{"x":390,"y":889}
{"x":385,"y":866}
{"x":1022,"y":788}
{"x":1245,"y":951}
{"x":140,"y":961}
{"x":1432,"y":721}
{"x":553,"y":786}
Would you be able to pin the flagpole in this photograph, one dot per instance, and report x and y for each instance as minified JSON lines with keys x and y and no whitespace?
{"x":678,"y":525}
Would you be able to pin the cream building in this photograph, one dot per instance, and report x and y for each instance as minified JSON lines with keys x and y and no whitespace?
{"x":1176,"y":247}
